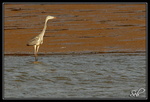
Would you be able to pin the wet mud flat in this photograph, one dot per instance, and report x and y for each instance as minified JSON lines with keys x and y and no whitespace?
{"x":79,"y":28}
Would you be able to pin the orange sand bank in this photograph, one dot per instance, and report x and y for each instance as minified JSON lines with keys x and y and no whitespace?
{"x":79,"y":28}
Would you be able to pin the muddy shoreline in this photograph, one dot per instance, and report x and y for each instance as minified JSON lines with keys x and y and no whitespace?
{"x":73,"y":53}
{"x":78,"y":29}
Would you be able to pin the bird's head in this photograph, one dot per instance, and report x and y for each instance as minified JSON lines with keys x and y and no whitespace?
{"x":50,"y":17}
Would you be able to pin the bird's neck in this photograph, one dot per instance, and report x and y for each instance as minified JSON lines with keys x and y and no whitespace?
{"x":44,"y":29}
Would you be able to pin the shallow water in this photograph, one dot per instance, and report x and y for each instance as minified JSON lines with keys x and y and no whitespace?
{"x":110,"y":75}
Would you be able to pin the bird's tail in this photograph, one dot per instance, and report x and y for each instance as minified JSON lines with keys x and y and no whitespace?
{"x":28,"y":45}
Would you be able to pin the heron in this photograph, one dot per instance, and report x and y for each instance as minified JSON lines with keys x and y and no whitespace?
{"x":38,"y":40}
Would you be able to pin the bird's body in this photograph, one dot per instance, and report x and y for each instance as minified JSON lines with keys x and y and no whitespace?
{"x":38,"y":40}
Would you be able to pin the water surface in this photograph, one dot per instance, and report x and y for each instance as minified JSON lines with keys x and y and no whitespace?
{"x":110,"y":75}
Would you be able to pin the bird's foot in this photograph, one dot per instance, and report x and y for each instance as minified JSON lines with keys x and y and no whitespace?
{"x":36,"y":62}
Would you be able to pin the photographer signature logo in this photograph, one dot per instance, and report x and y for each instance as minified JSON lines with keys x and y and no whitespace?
{"x":136,"y":93}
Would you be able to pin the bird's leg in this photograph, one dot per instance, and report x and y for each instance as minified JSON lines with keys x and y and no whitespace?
{"x":35,"y":52}
{"x":37,"y":48}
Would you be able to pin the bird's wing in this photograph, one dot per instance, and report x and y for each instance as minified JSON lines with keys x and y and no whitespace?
{"x":34,"y":41}
{"x":41,"y":41}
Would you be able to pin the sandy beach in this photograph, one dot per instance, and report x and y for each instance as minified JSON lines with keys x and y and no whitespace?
{"x":79,"y":28}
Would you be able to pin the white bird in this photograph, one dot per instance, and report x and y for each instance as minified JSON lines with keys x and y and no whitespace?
{"x":38,"y":40}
